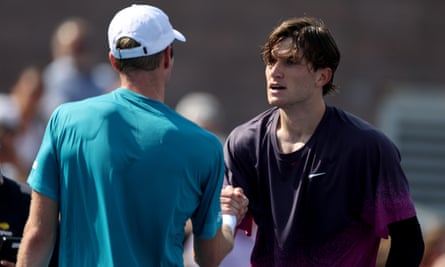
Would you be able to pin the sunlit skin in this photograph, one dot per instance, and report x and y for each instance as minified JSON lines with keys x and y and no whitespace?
{"x":297,"y":89}
{"x":290,"y":80}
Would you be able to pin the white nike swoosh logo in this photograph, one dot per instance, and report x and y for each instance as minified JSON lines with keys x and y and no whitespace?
{"x":312,"y":175}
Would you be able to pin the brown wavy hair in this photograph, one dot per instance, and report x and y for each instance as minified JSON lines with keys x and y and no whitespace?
{"x":313,"y":38}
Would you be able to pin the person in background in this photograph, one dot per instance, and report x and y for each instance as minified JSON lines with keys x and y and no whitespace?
{"x":206,"y":110}
{"x":15,"y":198}
{"x":26,"y":95}
{"x":22,"y":124}
{"x":324,"y":186}
{"x":10,"y":163}
{"x":14,"y":209}
{"x":70,"y":75}
{"x":439,"y":261}
{"x":124,"y":171}
{"x":435,"y":246}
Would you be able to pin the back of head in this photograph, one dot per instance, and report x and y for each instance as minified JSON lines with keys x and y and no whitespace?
{"x":138,"y":33}
{"x":313,"y":38}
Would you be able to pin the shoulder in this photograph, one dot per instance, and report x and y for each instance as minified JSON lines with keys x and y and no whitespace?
{"x":352,"y":123}
{"x":85,"y":108}
{"x":357,"y":130}
{"x":254,"y":128}
{"x":245,"y":141}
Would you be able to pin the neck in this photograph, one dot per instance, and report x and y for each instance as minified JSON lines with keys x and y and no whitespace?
{"x":148,"y":84}
{"x":296,"y":126}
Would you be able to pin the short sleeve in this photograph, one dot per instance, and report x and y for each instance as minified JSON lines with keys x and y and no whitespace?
{"x":44,"y":175}
{"x":390,"y":200}
{"x":207,"y":218}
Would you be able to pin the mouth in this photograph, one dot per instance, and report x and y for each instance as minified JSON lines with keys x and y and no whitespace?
{"x":277,"y":87}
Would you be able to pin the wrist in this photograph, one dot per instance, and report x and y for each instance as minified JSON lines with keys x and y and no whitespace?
{"x":230,"y":220}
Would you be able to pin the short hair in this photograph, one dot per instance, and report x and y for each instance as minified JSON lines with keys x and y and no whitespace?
{"x":313,"y":38}
{"x":146,"y":63}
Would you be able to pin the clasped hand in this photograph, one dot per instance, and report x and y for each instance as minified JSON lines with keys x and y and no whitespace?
{"x":233,"y":201}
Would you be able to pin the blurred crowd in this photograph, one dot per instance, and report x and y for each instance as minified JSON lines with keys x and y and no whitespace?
{"x":26,"y":107}
{"x":72,"y":75}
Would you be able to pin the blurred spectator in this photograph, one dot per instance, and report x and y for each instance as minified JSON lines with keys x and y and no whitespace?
{"x":434,"y":247}
{"x":206,"y":110}
{"x":72,"y":75}
{"x":22,"y":124}
{"x":27,"y":94}
{"x":439,"y":262}
{"x":15,"y":200}
{"x":9,"y":124}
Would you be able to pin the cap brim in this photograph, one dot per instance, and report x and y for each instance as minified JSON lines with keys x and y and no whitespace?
{"x":179,"y":36}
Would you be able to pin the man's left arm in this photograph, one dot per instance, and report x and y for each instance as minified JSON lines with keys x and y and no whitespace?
{"x":407,"y":245}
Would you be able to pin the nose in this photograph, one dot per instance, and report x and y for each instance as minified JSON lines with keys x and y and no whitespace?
{"x":275,"y":70}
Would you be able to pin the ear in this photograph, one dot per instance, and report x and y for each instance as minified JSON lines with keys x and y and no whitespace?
{"x":167,"y":57}
{"x":112,"y":61}
{"x":324,"y":76}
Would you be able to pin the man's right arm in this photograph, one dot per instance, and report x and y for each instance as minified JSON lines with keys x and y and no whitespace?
{"x":40,"y":231}
{"x":210,"y":252}
{"x":234,"y":205}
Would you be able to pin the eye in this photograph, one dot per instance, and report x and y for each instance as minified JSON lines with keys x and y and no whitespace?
{"x":271,"y":60}
{"x":291,"y":61}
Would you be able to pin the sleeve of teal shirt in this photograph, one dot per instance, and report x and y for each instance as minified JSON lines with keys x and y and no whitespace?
{"x":43,"y":177}
{"x":207,"y":219}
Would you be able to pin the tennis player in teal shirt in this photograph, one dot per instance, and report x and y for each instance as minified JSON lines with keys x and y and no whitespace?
{"x":124,"y":171}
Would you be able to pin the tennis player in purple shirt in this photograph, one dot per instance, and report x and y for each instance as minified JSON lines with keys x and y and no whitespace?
{"x":324,"y":186}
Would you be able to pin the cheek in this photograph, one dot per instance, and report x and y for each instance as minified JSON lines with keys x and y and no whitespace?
{"x":266,"y":80}
{"x":268,"y":73}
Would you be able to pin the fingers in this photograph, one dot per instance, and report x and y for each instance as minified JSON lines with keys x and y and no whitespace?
{"x":238,"y":190}
{"x":233,"y":201}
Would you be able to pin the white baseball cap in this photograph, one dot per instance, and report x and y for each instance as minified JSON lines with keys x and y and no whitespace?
{"x":145,"y":24}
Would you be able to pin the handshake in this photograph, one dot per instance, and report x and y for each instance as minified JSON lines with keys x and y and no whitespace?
{"x":234,"y":205}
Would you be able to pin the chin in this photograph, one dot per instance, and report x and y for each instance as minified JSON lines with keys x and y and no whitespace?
{"x":275,"y":103}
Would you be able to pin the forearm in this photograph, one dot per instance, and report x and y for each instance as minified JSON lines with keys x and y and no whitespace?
{"x":228,"y":241}
{"x":40,"y":232}
{"x":210,"y":252}
{"x":35,"y":250}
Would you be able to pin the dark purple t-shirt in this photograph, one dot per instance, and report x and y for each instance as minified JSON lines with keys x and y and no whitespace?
{"x":327,"y":204}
